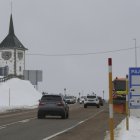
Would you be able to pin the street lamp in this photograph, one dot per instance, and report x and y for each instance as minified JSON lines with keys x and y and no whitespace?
{"x":135,"y":52}
{"x":65,"y":91}
{"x":103,"y":94}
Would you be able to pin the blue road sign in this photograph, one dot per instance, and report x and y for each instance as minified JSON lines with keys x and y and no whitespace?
{"x":134,"y":88}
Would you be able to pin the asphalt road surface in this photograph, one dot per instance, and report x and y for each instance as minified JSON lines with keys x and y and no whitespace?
{"x":83,"y":124}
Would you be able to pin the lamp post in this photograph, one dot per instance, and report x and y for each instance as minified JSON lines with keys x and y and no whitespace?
{"x":64,"y":91}
{"x":135,"y":52}
{"x":103,"y":94}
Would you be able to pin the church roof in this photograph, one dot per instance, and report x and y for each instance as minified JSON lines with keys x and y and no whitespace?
{"x":11,"y":41}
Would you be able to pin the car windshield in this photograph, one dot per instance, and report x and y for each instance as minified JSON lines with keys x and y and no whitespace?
{"x":119,"y":85}
{"x":83,"y":97}
{"x":91,"y":97}
{"x":51,"y":98}
{"x":68,"y":97}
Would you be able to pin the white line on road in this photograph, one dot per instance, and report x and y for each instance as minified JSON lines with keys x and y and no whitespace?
{"x":56,"y":134}
{"x":2,"y":127}
{"x":22,"y":121}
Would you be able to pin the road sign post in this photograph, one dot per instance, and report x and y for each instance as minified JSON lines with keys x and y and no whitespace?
{"x":127,"y":108}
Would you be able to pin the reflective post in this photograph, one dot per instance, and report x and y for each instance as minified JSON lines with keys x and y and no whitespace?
{"x":111,"y":119}
{"x":9,"y":97}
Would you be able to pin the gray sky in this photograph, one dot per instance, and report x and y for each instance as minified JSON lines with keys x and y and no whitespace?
{"x":75,"y":27}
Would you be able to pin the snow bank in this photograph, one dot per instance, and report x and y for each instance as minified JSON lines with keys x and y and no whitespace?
{"x":120,"y":132}
{"x":18,"y":93}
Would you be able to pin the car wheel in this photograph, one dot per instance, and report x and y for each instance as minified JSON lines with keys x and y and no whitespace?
{"x":67,"y":116}
{"x":85,"y":106}
{"x":98,"y":106}
{"x":63,"y":116}
{"x":40,"y":115}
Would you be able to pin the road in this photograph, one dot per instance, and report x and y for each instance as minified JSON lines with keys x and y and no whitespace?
{"x":24,"y":125}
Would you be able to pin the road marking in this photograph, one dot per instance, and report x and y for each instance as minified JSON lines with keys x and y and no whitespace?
{"x":63,"y":131}
{"x":2,"y":127}
{"x":22,"y":121}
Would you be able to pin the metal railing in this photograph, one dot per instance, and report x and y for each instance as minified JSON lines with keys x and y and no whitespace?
{"x":8,"y":77}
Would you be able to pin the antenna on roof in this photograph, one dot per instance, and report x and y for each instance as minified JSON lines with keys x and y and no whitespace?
{"x":11,"y":4}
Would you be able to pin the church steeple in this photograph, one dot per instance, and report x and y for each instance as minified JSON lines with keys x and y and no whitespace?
{"x":11,"y":26}
{"x":11,"y":41}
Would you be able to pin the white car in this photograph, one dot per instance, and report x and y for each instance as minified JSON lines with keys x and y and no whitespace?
{"x":91,"y":100}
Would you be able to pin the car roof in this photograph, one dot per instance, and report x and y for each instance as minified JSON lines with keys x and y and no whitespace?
{"x":99,"y":96}
{"x":91,"y":95}
{"x":52,"y":95}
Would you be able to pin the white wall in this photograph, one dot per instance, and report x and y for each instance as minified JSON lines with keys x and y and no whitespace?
{"x":10,"y":62}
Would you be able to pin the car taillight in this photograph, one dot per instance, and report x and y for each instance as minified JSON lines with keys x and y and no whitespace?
{"x":41,"y":103}
{"x":60,"y":104}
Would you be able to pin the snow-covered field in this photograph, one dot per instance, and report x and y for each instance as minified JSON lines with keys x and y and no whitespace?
{"x":19,"y":94}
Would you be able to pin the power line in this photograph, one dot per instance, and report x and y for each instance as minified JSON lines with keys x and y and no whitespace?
{"x":80,"y":54}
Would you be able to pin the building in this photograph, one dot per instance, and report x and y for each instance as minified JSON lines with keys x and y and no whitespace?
{"x":12,"y":54}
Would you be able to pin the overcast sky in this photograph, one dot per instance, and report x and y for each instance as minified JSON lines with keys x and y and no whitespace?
{"x":55,"y":27}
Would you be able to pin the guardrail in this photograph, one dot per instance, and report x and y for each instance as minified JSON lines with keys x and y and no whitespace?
{"x":6,"y":78}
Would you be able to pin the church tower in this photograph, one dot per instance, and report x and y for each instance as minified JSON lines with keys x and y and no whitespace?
{"x":12,"y":53}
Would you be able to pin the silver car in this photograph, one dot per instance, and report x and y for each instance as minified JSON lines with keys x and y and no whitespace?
{"x":70,"y":99}
{"x":52,"y":105}
{"x":82,"y":99}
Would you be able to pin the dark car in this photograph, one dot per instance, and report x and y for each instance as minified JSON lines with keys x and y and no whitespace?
{"x":101,"y":101}
{"x":52,"y":105}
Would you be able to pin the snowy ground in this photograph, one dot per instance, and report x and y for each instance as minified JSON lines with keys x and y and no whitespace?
{"x":20,"y":94}
{"x":121,"y":133}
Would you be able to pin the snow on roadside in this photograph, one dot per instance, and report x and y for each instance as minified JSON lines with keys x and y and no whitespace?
{"x":120,"y":132}
{"x":16,"y":93}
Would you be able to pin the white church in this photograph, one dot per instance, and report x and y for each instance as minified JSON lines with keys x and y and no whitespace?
{"x":12,"y":54}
